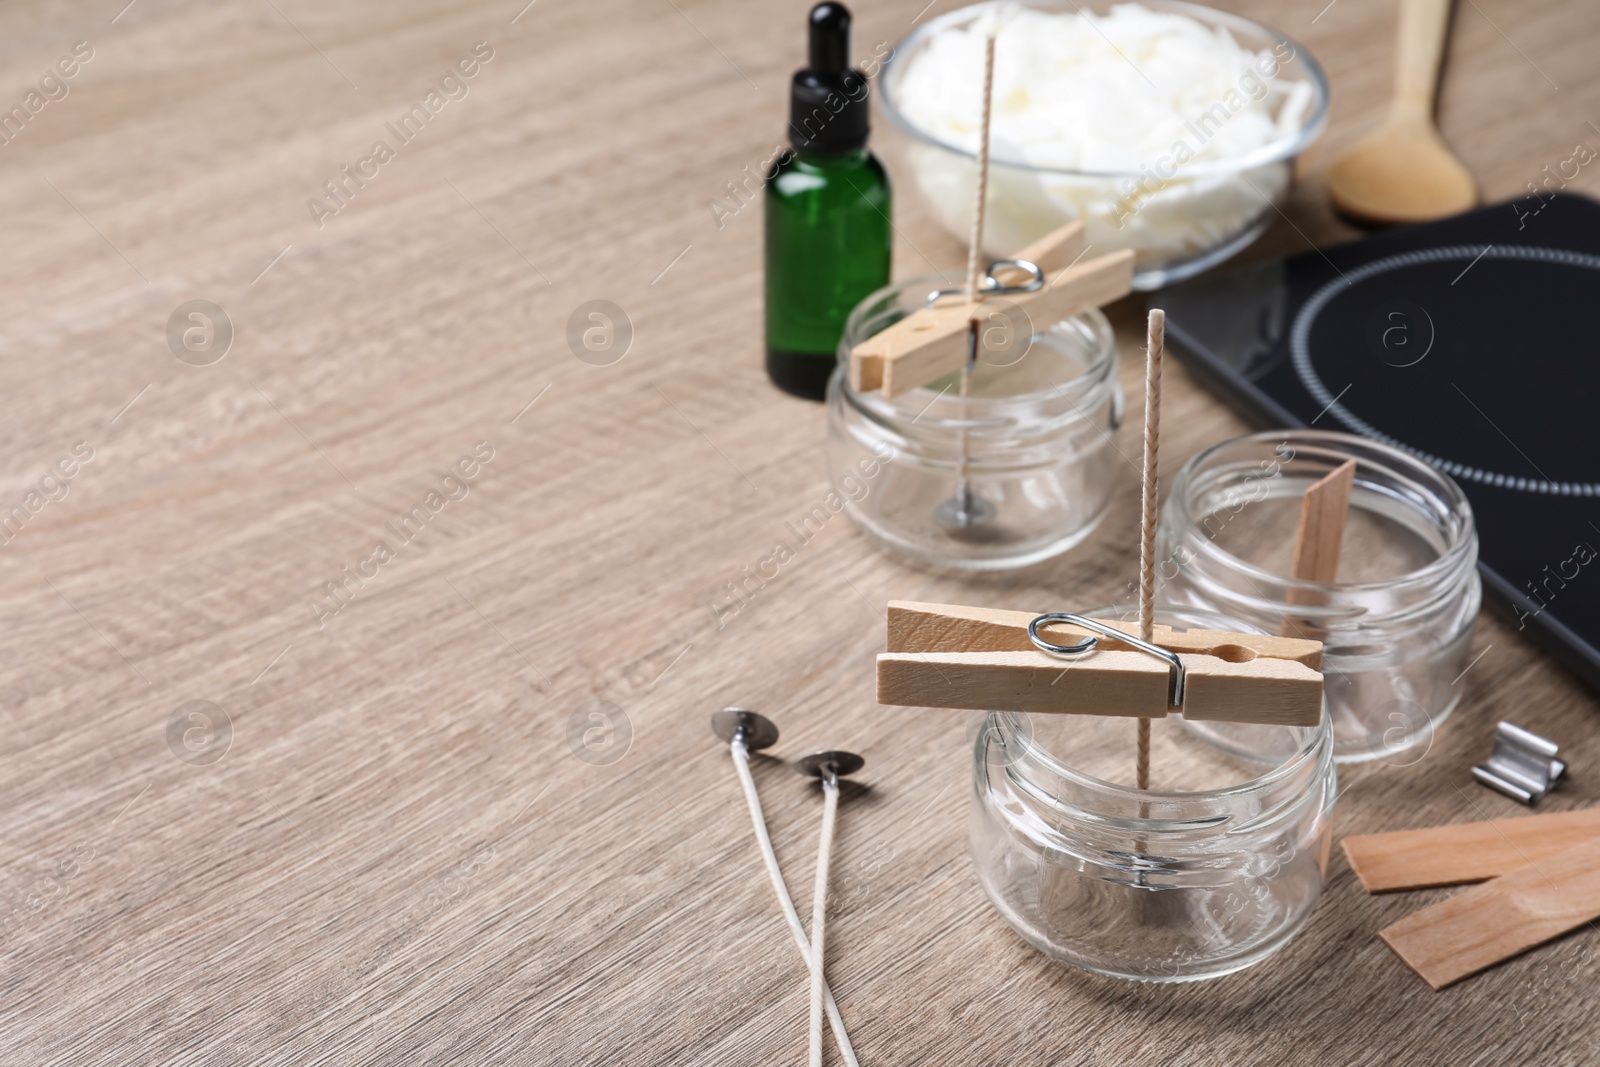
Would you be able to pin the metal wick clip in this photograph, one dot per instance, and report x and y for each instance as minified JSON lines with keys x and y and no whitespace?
{"x":1523,"y":765}
{"x":1175,"y":674}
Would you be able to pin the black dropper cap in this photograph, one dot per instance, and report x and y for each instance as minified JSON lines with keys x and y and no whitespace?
{"x":828,"y":100}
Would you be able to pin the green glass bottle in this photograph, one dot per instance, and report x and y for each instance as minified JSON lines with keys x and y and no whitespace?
{"x":827,"y":208}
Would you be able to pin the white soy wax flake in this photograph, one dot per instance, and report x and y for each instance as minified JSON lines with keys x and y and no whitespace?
{"x":1123,"y":110}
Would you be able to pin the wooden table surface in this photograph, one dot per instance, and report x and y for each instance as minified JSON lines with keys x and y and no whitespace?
{"x":401,"y":856}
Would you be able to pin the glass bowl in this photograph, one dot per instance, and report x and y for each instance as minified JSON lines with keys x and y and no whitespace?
{"x":1180,"y":218}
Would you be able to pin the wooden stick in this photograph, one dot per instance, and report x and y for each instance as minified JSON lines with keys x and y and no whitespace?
{"x":918,"y":627}
{"x":1501,"y":918}
{"x":1155,"y":335}
{"x":1276,"y":692}
{"x":1317,"y":542}
{"x":933,"y":342}
{"x":1465,"y":852}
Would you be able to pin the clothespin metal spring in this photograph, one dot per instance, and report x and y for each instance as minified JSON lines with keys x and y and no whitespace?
{"x":992,"y":286}
{"x":1088,"y":644}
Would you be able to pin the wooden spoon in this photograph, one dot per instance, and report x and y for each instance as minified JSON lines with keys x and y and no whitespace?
{"x":1404,"y":172}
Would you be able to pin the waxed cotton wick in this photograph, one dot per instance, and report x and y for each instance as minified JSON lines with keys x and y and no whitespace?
{"x":745,"y":730}
{"x":827,"y":767}
{"x":1155,"y":339}
{"x":974,"y":292}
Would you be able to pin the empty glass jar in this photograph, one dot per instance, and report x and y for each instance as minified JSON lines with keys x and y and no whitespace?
{"x":1395,"y":625}
{"x":1211,"y":870}
{"x":1037,"y":432}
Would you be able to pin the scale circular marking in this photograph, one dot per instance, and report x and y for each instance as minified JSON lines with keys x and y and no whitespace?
{"x":1300,"y":354}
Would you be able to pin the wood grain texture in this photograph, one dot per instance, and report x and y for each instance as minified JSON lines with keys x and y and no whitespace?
{"x":1321,"y":533}
{"x":1504,"y":916}
{"x":402,"y":858}
{"x":1317,"y":542}
{"x":1273,"y":692}
{"x":915,"y":627}
{"x":1055,"y":251}
{"x":1465,"y":852}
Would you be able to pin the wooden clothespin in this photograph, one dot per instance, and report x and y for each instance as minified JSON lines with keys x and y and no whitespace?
{"x":947,"y":656}
{"x":932,"y":342}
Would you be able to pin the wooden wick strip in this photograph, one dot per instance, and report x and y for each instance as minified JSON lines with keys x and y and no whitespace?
{"x":1322,"y":515}
{"x":1318,"y":541}
{"x":1155,"y":337}
{"x":1501,"y":918}
{"x":1465,"y":852}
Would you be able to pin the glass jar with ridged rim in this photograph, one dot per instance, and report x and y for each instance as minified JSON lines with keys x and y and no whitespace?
{"x":1397,"y":622}
{"x":1031,"y":441}
{"x":1212,"y":869}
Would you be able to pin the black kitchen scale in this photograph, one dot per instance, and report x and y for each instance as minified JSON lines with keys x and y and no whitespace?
{"x":1472,"y":343}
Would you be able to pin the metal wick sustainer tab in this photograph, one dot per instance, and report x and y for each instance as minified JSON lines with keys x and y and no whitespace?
{"x":1088,"y":644}
{"x":1523,"y":765}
